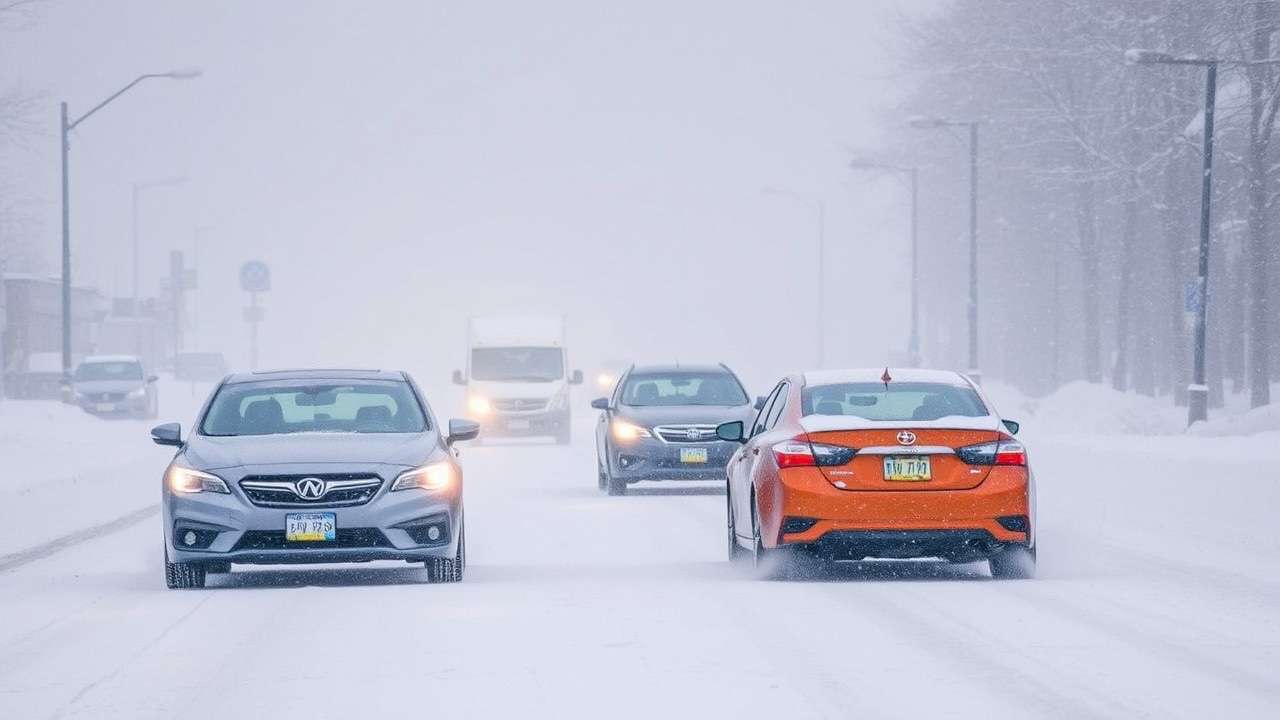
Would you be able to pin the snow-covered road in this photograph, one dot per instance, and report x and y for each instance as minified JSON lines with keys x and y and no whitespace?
{"x":1159,"y":596}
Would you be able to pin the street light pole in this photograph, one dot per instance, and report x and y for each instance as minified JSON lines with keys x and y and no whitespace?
{"x":66,"y":247}
{"x":1198,"y":390}
{"x":931,"y":122}
{"x":67,"y":126}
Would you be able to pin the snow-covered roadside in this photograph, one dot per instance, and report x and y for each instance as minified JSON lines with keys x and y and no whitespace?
{"x":1121,"y":474}
{"x":63,"y":470}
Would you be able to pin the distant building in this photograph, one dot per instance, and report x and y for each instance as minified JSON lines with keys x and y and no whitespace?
{"x":32,"y":323}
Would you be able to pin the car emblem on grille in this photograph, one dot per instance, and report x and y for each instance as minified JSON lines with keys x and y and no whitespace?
{"x":310,"y":488}
{"x":693,"y":434}
{"x":906,"y":437}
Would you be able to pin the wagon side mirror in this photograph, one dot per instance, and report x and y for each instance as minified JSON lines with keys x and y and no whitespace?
{"x":1013,"y":426}
{"x":734,"y":431}
{"x":167,"y":434}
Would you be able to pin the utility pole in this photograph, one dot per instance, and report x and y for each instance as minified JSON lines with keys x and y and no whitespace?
{"x":66,"y":126}
{"x":66,"y":250}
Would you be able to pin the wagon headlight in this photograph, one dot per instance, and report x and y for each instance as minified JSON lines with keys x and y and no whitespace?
{"x":625,"y":431}
{"x":187,"y":481}
{"x":433,"y":476}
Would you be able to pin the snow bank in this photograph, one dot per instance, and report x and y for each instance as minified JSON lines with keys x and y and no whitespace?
{"x":1265,"y":419}
{"x":1082,"y":408}
{"x":69,"y":470}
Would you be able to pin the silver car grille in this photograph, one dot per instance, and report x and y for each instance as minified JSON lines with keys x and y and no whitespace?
{"x":310,"y":490}
{"x":686,"y":433}
{"x":519,"y":404}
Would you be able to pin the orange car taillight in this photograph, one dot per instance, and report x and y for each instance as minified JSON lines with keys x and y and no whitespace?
{"x":1000,"y":452}
{"x":800,"y":453}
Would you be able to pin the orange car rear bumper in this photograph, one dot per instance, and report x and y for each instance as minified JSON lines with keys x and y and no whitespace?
{"x":806,"y":493}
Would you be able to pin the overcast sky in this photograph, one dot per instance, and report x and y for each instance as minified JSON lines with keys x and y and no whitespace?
{"x":401,"y":165}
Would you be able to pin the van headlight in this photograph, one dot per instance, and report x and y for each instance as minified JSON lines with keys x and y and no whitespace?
{"x":479,"y":405}
{"x":432,"y":476}
{"x":187,"y":481}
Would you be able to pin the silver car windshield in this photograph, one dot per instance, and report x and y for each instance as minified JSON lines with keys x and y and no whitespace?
{"x":296,"y":407}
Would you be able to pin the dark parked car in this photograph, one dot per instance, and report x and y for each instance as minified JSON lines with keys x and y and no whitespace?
{"x":660,"y":424}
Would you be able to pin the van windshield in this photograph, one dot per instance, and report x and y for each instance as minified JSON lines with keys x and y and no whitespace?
{"x":517,"y":364}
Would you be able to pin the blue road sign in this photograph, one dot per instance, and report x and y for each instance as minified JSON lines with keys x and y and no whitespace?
{"x":255,"y":276}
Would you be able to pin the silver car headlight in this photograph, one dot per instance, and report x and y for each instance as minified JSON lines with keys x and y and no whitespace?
{"x":186,"y":481}
{"x":139,"y":393}
{"x":438,"y":475}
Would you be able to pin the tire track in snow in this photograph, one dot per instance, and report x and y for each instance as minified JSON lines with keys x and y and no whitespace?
{"x":1161,"y":648}
{"x":88,"y":688}
{"x":974,"y":655}
{"x":44,"y":550}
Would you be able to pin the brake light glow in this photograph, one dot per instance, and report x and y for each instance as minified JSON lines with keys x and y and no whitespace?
{"x":1001,"y":452}
{"x":797,"y":452}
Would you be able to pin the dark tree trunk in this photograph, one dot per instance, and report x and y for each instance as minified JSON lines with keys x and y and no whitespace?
{"x":1259,"y":253}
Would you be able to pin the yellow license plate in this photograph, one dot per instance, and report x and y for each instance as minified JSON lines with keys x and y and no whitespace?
{"x":907,"y":469}
{"x":310,"y":527}
{"x":693,"y":455}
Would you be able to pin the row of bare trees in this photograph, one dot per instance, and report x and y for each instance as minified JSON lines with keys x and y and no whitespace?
{"x":1090,"y":176}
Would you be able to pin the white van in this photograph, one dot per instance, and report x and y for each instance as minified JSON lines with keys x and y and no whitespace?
{"x":517,"y":376}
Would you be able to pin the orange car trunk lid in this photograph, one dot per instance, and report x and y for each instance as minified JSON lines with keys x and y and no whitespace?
{"x":887,"y":461}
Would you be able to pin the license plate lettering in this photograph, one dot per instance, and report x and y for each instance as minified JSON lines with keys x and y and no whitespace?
{"x":310,"y":527}
{"x":693,"y":455}
{"x":914,"y":468}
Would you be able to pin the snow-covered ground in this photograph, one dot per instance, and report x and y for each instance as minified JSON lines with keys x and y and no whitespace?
{"x":1158,"y":595}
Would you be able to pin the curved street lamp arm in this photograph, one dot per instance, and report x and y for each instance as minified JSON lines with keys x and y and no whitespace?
{"x":71,"y":125}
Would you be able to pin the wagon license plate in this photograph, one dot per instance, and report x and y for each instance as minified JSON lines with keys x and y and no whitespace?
{"x":310,"y":527}
{"x":106,"y":407}
{"x":517,"y":424}
{"x":693,"y":455}
{"x":907,"y":469}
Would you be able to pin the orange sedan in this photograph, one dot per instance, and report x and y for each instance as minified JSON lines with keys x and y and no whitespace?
{"x":902,"y":464}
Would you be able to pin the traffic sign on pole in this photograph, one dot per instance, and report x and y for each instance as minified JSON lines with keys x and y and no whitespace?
{"x":255,"y":277}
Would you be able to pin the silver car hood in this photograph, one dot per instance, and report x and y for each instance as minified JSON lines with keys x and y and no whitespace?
{"x":407,"y":449}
